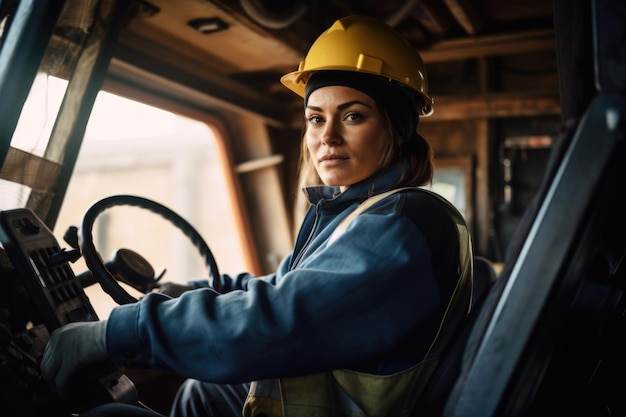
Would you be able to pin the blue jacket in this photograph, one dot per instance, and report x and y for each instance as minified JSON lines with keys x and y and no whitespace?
{"x":370,"y":301}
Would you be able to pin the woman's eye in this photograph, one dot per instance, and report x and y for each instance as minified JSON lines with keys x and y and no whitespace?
{"x":314,"y":119}
{"x":354,"y":117}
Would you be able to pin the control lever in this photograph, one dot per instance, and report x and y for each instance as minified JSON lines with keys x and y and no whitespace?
{"x":127,"y":266}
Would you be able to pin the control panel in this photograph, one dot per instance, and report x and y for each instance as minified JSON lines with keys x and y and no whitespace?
{"x":38,"y":294}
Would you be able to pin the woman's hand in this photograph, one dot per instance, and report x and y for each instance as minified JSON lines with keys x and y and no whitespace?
{"x":70,"y":349}
{"x":174,"y":290}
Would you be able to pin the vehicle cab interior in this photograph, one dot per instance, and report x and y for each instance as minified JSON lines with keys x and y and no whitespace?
{"x":150,"y":141}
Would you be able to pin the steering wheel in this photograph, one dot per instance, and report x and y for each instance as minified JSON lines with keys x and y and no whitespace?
{"x":94,"y":261}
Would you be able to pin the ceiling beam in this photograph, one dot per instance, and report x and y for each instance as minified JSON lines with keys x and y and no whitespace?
{"x":429,"y":18}
{"x":483,"y":46}
{"x":494,"y":106}
{"x":466,"y":15}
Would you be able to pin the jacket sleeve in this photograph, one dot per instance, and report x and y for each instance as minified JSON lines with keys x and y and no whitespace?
{"x":346,"y":302}
{"x":238,"y":282}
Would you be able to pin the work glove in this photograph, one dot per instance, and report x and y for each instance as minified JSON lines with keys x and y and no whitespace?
{"x":174,"y":290}
{"x":71,"y":348}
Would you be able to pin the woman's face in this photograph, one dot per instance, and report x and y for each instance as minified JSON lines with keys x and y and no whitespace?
{"x":345,"y":135}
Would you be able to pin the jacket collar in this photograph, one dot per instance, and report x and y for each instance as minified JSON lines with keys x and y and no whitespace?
{"x":382,"y":181}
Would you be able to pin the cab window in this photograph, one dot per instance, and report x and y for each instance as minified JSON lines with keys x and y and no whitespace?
{"x":132,"y":148}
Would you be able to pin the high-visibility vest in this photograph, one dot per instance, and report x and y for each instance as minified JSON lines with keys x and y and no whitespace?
{"x":348,"y":393}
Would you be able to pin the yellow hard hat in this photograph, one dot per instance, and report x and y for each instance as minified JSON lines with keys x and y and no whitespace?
{"x":364,"y":44}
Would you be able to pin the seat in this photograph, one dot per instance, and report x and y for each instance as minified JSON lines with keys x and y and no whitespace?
{"x":484,"y":275}
{"x":441,"y":383}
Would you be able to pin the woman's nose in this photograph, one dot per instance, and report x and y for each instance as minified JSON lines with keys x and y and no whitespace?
{"x":331,"y":134}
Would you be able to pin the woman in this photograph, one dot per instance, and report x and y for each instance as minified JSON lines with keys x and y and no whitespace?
{"x":348,"y":321}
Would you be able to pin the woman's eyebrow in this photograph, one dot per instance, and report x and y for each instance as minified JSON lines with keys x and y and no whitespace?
{"x":341,"y":106}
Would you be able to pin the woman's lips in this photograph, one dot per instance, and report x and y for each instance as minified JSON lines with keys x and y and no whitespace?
{"x":332,"y":160}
